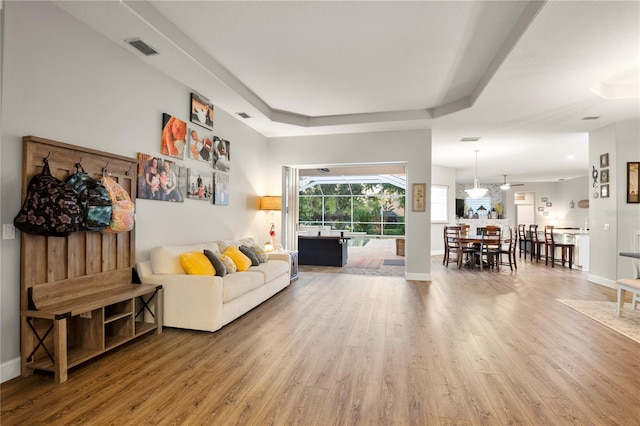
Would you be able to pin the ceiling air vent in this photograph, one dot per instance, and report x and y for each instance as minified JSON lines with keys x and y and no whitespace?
{"x":590,"y":118}
{"x":470,"y":139}
{"x":243,"y":114}
{"x":143,"y":47}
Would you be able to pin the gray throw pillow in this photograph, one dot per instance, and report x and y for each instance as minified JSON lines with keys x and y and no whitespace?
{"x":250,"y":254}
{"x":260,"y":253}
{"x":218,"y":265}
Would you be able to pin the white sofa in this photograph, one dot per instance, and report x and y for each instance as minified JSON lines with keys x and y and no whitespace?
{"x":209,"y":302}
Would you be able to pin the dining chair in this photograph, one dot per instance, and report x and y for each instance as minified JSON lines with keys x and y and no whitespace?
{"x":536,"y":243}
{"x":453,"y":245}
{"x":489,"y":248}
{"x":552,"y":245}
{"x":467,"y":248}
{"x":524,"y":241}
{"x":509,"y":249}
{"x":631,"y":285}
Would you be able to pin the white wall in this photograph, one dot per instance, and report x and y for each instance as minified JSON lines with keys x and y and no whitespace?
{"x":622,"y":142}
{"x":65,"y":82}
{"x":560,"y":195}
{"x":627,"y":215}
{"x":444,"y":176}
{"x":412,"y":147}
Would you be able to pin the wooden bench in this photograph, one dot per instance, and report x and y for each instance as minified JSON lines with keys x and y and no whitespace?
{"x":77,"y":296}
{"x":72,"y":321}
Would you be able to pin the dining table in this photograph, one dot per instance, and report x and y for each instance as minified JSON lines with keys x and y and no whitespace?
{"x":630,"y":254}
{"x":477,"y":240}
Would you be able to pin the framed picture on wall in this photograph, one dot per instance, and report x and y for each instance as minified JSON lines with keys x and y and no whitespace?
{"x":173,"y":136}
{"x":604,"y":191}
{"x":633,"y":182}
{"x":419,"y":197}
{"x":201,"y":111}
{"x":221,"y":154}
{"x":604,"y":176}
{"x":199,"y":185}
{"x":200,"y":144}
{"x":604,"y":160}
{"x":220,"y":189}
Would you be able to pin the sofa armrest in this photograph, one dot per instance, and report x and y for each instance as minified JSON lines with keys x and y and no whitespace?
{"x":279,"y":256}
{"x":190,"y":301}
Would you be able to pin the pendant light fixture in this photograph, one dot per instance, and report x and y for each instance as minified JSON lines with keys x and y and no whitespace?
{"x":476,"y":192}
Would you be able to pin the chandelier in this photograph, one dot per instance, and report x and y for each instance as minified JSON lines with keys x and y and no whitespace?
{"x":476,"y":191}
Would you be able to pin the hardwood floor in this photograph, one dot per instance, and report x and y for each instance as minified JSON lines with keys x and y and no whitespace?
{"x":468,"y":348}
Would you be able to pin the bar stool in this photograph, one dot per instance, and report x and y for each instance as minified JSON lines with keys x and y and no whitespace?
{"x":536,"y":243}
{"x":551,"y":245}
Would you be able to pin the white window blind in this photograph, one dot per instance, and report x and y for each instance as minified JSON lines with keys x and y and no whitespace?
{"x":476,"y":203}
{"x":439,"y":203}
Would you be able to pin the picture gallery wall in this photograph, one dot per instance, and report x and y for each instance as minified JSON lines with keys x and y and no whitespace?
{"x":165,"y":179}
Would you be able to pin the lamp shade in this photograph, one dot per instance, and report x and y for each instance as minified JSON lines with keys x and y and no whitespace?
{"x":271,"y":202}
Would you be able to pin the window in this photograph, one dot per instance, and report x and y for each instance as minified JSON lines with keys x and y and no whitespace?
{"x":479,"y":205}
{"x":439,"y":203}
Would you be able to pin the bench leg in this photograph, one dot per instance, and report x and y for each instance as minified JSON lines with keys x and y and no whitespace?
{"x":159,"y":309}
{"x":60,"y":349}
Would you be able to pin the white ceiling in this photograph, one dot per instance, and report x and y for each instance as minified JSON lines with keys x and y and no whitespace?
{"x":518,"y":74}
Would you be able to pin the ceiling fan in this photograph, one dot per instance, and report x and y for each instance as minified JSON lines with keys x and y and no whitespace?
{"x":506,"y":185}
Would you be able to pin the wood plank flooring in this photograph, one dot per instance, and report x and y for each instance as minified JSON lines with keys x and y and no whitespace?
{"x":469,"y":348}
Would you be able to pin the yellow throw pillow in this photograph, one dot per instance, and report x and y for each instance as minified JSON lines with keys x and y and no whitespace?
{"x":228,"y":262}
{"x":241,"y":261}
{"x":196,"y":263}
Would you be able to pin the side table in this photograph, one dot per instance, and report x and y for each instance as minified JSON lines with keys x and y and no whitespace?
{"x":294,"y":265}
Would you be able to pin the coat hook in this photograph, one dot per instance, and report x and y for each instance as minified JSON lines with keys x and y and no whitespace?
{"x":46,"y":159}
{"x":128,"y":171}
{"x":79,"y":166}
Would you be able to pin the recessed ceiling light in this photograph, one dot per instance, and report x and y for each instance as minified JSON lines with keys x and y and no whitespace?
{"x":593,"y":117}
{"x":470,"y":139}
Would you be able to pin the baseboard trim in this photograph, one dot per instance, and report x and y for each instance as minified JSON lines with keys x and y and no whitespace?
{"x":437,"y":252}
{"x":9,"y":370}
{"x":602,"y":281}
{"x":417,"y":277}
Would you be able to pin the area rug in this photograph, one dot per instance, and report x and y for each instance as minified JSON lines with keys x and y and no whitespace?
{"x":606,"y":314}
{"x":388,"y":271}
{"x":393,"y":262}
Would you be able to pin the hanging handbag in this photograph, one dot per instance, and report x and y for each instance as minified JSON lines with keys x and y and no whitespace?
{"x":123,"y":209}
{"x":94,"y":200}
{"x":50,"y":208}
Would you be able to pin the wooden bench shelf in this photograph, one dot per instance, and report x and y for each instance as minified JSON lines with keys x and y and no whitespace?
{"x":77,"y":300}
